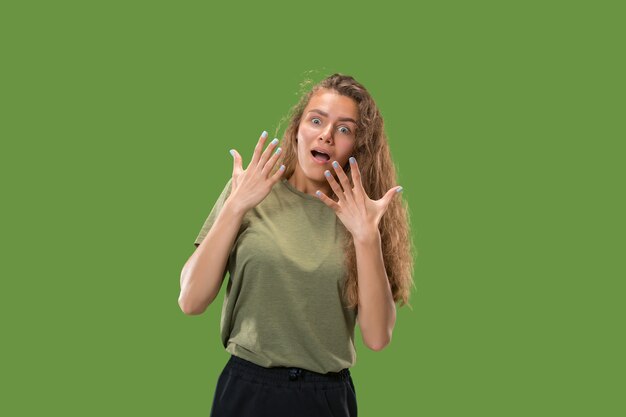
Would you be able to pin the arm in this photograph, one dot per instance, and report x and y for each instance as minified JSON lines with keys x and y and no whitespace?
{"x":377,"y":310}
{"x":203,"y":273}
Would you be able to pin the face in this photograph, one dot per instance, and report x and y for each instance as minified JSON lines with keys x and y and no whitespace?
{"x":329,"y":124}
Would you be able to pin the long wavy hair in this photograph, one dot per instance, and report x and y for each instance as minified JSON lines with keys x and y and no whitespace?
{"x":378,"y":175}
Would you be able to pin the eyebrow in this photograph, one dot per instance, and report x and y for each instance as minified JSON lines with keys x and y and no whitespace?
{"x":341,"y":119}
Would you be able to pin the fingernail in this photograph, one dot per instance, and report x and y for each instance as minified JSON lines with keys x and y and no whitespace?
{"x":318,"y":193}
{"x":398,"y":190}
{"x":278,"y":150}
{"x":352,"y":160}
{"x":335,"y":164}
{"x":232,"y":152}
{"x":327,"y":173}
{"x":275,"y":141}
{"x":264,"y":134}
{"x":282,"y":167}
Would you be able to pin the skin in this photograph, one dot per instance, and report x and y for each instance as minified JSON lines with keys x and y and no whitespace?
{"x":327,"y":132}
{"x":359,"y":213}
{"x":202,"y":275}
{"x":324,"y":125}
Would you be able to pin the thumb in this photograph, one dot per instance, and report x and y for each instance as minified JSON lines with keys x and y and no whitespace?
{"x":236,"y":161}
{"x":391,"y":194}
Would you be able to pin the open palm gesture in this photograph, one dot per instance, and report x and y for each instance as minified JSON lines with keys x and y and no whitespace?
{"x":358,"y":213}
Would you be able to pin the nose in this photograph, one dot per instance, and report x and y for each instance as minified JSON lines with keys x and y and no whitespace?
{"x":327,"y":134}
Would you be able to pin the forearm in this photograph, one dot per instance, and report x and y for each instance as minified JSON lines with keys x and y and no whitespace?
{"x":203,"y":274}
{"x":377,"y":310}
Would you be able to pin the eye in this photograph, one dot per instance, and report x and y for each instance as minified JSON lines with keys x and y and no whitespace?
{"x":346,"y":130}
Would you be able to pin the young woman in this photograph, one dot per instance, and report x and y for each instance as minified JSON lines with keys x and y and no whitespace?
{"x":313,"y":246}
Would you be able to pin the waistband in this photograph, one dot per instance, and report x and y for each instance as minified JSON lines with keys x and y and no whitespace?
{"x":283,"y":374}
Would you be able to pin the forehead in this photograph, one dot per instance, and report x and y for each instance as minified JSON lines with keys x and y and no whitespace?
{"x":334,"y":104}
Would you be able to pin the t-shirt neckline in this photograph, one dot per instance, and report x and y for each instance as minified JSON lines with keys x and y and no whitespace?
{"x":299,"y":193}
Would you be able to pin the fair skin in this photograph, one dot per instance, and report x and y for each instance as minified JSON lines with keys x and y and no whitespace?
{"x":321,"y":126}
{"x":324,"y":125}
{"x":329,"y":122}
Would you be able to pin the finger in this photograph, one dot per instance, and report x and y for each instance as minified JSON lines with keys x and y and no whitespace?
{"x":335,"y":186}
{"x":345,"y":183}
{"x":358,"y":189}
{"x":271,"y":163}
{"x":327,"y":200}
{"x":237,"y":169}
{"x":278,"y":174}
{"x":257,"y":150}
{"x":267,"y":154}
{"x":389,"y":195}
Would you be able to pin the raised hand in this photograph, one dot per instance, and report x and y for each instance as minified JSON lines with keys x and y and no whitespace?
{"x":358,"y":213}
{"x":252,"y":185}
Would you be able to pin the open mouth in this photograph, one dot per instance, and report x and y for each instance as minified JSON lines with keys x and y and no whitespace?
{"x":320,"y":156}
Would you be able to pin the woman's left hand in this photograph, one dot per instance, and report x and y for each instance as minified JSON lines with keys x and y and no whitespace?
{"x":358,"y":213}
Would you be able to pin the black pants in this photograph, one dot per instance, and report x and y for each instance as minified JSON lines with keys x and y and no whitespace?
{"x":245,"y":389}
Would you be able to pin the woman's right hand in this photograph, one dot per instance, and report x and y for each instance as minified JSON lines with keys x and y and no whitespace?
{"x":250,"y":187}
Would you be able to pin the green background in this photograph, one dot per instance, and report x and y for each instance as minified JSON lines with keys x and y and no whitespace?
{"x":503,"y":118}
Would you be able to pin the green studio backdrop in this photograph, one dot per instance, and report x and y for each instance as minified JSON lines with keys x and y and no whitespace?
{"x":502,"y":117}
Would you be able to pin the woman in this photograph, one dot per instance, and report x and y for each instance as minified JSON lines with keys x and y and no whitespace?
{"x":309,"y":254}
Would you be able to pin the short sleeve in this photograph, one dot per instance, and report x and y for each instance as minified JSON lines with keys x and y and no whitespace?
{"x":217,"y":207}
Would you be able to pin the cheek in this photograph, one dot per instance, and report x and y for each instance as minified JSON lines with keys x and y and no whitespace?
{"x":345,"y":147}
{"x":306,"y":130}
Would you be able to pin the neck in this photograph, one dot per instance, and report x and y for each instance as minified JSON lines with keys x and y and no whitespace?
{"x":308,"y":185}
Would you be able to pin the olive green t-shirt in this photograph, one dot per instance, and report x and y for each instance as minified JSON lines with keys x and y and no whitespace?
{"x":283,"y":304}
